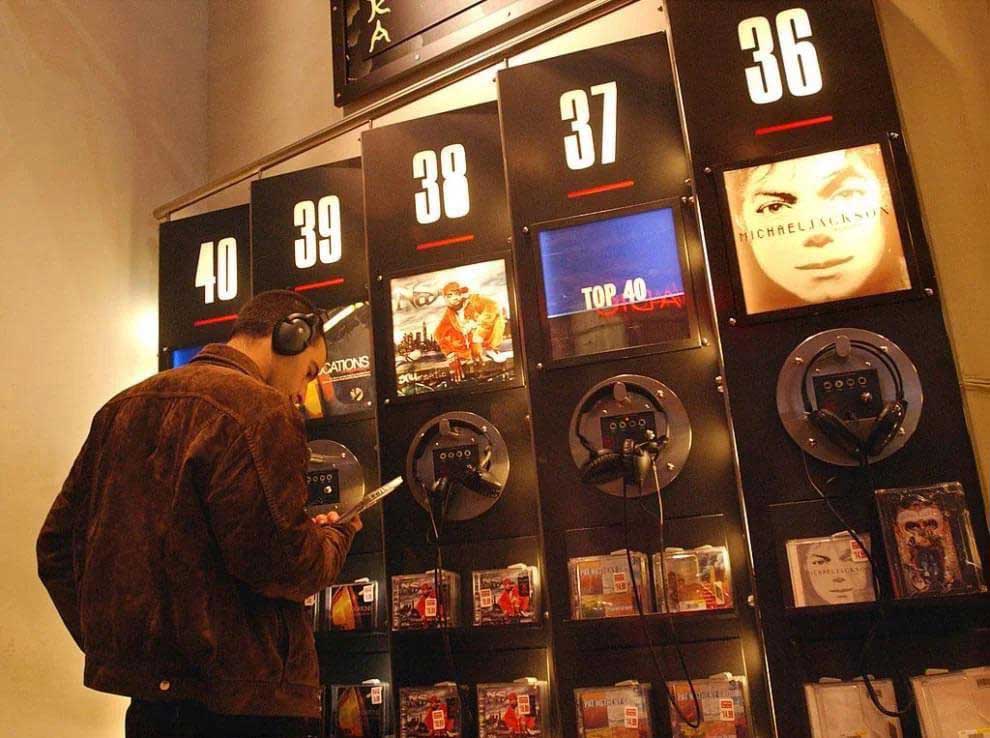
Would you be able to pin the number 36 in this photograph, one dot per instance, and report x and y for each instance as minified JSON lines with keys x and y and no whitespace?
{"x":801,"y":69}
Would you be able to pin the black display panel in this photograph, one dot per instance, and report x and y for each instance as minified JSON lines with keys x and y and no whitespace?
{"x":614,"y":281}
{"x":452,"y":328}
{"x":346,"y":381}
{"x":204,"y":276}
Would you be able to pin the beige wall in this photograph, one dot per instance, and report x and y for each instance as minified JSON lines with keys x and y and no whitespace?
{"x":102,"y":117}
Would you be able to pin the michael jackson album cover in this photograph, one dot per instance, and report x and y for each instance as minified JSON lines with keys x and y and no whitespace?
{"x":614,"y":712}
{"x":816,"y":229}
{"x":839,"y":709}
{"x":353,"y":606}
{"x":723,"y":708}
{"x":830,"y":570}
{"x":452,"y":328}
{"x":697,"y":579}
{"x":600,"y":585}
{"x":415,"y":604}
{"x":929,"y":541}
{"x":359,"y":710}
{"x":505,"y":596}
{"x":430,"y":712}
{"x":953,"y":704}
{"x":510,"y":710}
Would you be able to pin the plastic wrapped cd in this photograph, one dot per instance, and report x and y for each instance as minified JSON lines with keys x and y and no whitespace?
{"x":430,"y":712}
{"x":600,"y":585}
{"x":929,"y":541}
{"x":511,"y":710}
{"x":504,"y":596}
{"x":353,"y":606}
{"x":622,"y":711}
{"x":954,"y":704}
{"x":831,"y":570}
{"x":415,"y":603}
{"x":839,"y":709}
{"x":723,"y":708}
{"x":360,"y":710}
{"x":697,"y":579}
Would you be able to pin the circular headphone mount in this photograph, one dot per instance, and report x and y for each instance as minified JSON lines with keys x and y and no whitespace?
{"x":334,"y":476}
{"x":848,"y":393}
{"x":619,"y":414}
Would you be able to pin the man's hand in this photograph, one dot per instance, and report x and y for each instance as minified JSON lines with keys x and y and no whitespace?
{"x":331,"y":518}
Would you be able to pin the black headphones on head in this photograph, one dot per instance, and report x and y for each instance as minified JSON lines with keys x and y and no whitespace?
{"x":296,"y":331}
{"x":633,"y":462}
{"x":837,"y":430}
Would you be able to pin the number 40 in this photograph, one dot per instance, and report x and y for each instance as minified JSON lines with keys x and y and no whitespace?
{"x":224,"y":280}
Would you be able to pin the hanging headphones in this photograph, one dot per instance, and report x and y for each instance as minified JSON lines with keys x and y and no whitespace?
{"x":633,"y":419}
{"x":459,"y":465}
{"x":835,"y":382}
{"x":296,"y":331}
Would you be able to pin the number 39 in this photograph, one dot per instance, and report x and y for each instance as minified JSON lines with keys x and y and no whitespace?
{"x":801,"y":69}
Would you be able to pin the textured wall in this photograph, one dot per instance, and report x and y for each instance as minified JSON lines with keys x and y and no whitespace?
{"x":103,"y":116}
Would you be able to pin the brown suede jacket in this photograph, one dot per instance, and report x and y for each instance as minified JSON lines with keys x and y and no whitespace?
{"x":178,"y":552}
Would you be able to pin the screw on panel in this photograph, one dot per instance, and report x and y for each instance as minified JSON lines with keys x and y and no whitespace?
{"x":387,"y":401}
{"x":708,"y":170}
{"x":901,"y":431}
{"x":885,"y":349}
{"x":539,"y":365}
{"x":380,"y":278}
{"x":525,"y":229}
{"x":812,"y":442}
{"x":929,"y":291}
{"x":687,"y":182}
{"x":670,"y":467}
{"x":732,"y":321}
{"x":705,"y":342}
{"x":894,"y":135}
{"x":751,"y":601}
{"x":798,"y":360}
{"x":660,"y":393}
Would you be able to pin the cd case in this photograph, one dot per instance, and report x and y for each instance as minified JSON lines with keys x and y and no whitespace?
{"x":838,"y":709}
{"x":429,"y":712}
{"x":600,"y":585}
{"x":622,"y":711}
{"x":831,"y":570}
{"x":929,"y":541}
{"x":360,"y":710}
{"x":506,"y":596}
{"x":353,"y":606}
{"x":415,"y":603}
{"x":723,"y":708}
{"x":312,"y":605}
{"x":697,"y":579}
{"x":511,"y":710}
{"x":954,"y":704}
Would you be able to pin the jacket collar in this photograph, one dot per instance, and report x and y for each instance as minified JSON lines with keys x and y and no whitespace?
{"x":223,"y":355}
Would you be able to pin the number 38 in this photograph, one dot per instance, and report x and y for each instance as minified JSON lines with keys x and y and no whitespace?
{"x":801,"y":69}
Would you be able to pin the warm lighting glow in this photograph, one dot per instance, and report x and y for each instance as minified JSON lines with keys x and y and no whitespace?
{"x":145,"y":329}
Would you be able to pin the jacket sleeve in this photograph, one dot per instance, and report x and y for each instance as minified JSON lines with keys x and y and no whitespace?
{"x":56,"y":542}
{"x":255,"y":503}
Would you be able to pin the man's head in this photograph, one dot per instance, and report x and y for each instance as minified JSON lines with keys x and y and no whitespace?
{"x":454,"y":295}
{"x":252,"y":334}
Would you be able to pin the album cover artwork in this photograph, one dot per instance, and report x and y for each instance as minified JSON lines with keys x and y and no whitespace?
{"x":723,"y":708}
{"x":415,"y":604}
{"x":842,"y":709}
{"x":429,"y":712}
{"x":452,"y":328}
{"x":816,"y":229}
{"x":359,"y":710}
{"x":831,"y":570}
{"x":614,"y":712}
{"x":505,"y":596}
{"x":346,"y":383}
{"x":510,"y":710}
{"x":697,"y":579}
{"x":929,"y":541}
{"x":600,"y":585}
{"x":353,"y":606}
{"x":954,"y":704}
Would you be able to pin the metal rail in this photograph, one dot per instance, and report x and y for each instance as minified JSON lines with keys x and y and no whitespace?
{"x":501,"y":51}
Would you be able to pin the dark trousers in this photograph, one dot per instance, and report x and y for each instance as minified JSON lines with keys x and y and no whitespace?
{"x":192,"y":720}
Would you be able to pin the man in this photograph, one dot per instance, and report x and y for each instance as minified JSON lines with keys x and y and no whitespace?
{"x":178,"y":552}
{"x":471,"y":328}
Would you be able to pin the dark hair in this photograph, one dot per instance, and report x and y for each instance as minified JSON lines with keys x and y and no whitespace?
{"x":257,"y":317}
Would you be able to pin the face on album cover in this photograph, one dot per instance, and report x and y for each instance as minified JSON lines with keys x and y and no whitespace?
{"x":816,"y":229}
{"x":452,"y":328}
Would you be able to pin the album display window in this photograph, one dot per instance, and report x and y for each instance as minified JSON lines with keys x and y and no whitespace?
{"x":614,"y":281}
{"x":816,"y":229}
{"x":453,"y":328}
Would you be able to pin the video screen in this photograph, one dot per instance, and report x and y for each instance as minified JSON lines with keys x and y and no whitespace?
{"x":614,"y":284}
{"x":182,"y":356}
{"x":815,"y":229}
{"x":452,"y":328}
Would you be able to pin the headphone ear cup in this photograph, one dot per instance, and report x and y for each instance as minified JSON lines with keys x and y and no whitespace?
{"x":603,"y":467}
{"x":291,"y":335}
{"x":833,"y":427}
{"x":886,"y":426}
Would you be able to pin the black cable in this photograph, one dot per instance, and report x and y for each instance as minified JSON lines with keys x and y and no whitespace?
{"x":643,"y":621}
{"x":881,"y":620}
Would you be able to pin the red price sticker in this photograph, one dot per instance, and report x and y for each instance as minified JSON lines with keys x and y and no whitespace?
{"x":368,"y":593}
{"x":619,"y":582}
{"x":439,"y":720}
{"x":857,"y":552}
{"x":726,"y":710}
{"x":376,"y":695}
{"x":523,"y":702}
{"x":630,"y":717}
{"x":486,"y":597}
{"x":431,"y":607}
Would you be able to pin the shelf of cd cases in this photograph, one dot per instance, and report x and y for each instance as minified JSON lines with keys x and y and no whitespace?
{"x":360,"y":710}
{"x":417,"y":605}
{"x":723,"y":708}
{"x":512,"y":709}
{"x":838,"y":709}
{"x":474,"y":639}
{"x":506,"y":596}
{"x":619,"y":711}
{"x":430,"y":712}
{"x":954,"y":704}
